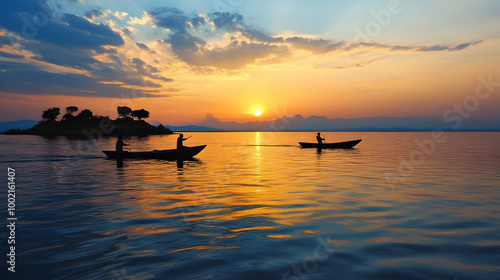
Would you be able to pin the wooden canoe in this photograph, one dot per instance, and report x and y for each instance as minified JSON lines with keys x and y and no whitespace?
{"x":338,"y":145}
{"x":174,"y":154}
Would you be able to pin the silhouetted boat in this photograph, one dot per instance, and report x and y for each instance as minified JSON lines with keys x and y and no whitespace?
{"x":338,"y":145}
{"x":174,"y":154}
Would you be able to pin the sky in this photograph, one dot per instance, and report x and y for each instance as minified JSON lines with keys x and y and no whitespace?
{"x":185,"y":60}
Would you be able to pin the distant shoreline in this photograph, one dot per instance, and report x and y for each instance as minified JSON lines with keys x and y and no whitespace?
{"x":299,"y":124}
{"x":225,"y":131}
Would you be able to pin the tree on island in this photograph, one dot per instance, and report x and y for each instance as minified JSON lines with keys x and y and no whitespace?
{"x":71,"y":109}
{"x":50,"y":115}
{"x":124,"y":111}
{"x":69,"y":113}
{"x":86,"y":121}
{"x":85,"y":115}
{"x":140,"y":114}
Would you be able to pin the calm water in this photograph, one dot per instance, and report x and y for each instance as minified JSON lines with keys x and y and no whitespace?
{"x":256,"y":206}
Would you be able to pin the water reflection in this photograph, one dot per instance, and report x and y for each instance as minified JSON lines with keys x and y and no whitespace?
{"x":252,"y":206}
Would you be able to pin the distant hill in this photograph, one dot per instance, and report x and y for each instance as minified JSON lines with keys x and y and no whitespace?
{"x":321,"y":123}
{"x":194,"y":128}
{"x":22,"y":124}
{"x":296,"y":123}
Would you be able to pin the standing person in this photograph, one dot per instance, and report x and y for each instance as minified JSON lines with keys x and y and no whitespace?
{"x":120,"y":144}
{"x":180,"y":139}
{"x":319,"y":139}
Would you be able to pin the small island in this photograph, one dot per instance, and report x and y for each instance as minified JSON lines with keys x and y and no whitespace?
{"x":129,"y":122}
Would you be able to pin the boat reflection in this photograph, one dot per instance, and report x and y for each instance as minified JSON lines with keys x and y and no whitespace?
{"x":180,"y":163}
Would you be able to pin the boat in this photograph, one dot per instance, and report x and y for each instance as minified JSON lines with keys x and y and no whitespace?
{"x":338,"y":145}
{"x":174,"y":154}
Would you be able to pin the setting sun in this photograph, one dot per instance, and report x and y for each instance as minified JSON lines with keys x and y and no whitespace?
{"x":257,"y":112}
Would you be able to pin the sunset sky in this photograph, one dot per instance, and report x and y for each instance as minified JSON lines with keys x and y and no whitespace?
{"x":183,"y":59}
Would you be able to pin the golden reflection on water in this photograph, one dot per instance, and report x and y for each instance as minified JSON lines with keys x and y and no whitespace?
{"x":279,"y":236}
{"x":204,"y":248}
{"x":239,"y":178}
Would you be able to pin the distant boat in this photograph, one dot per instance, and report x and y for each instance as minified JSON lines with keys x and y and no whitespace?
{"x":174,"y":154}
{"x":338,"y":145}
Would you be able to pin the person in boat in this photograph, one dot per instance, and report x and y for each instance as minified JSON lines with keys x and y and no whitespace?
{"x":180,"y":139}
{"x":120,"y":144}
{"x":320,"y":139}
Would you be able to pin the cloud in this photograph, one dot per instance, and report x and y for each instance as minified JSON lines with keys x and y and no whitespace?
{"x":354,"y":65}
{"x":315,"y":46}
{"x":142,"y":46}
{"x":241,"y":54}
{"x":127,"y":32}
{"x":210,"y":118}
{"x":145,"y":19}
{"x":172,"y":19}
{"x":195,"y":52}
{"x":64,"y":56}
{"x":198,"y":53}
{"x":92,"y":14}
{"x":10,"y":55}
{"x":148,"y":71}
{"x":67,"y":31}
{"x":422,"y":48}
{"x":257,"y":35}
{"x":119,"y":15}
{"x":90,"y":55}
{"x":240,"y":45}
{"x":435,"y":48}
{"x":198,"y":21}
{"x":227,"y":20}
{"x":30,"y":79}
{"x":465,"y":45}
{"x":81,"y":33}
{"x":4,"y":40}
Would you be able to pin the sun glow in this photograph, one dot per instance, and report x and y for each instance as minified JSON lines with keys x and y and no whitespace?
{"x":257,"y":112}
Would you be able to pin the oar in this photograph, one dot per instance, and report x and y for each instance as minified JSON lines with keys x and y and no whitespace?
{"x":188,"y":137}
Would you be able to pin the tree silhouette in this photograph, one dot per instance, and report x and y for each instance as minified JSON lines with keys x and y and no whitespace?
{"x":68,"y":117}
{"x":51,"y":114}
{"x":71,"y":109}
{"x":140,"y":114}
{"x":123,"y":111}
{"x":85,"y":115}
{"x":69,"y":113}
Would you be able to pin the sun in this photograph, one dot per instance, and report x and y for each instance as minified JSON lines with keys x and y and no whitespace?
{"x":257,"y":112}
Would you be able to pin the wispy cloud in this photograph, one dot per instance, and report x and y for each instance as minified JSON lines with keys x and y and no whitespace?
{"x":241,"y":45}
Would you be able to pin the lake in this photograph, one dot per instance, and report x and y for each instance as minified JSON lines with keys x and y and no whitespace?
{"x":254,"y":205}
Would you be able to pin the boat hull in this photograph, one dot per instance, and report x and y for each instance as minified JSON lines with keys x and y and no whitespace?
{"x":338,"y":145}
{"x":174,"y":154}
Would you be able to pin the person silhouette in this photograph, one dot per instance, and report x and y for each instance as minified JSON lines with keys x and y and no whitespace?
{"x":180,"y":139}
{"x":319,"y":139}
{"x":120,"y":144}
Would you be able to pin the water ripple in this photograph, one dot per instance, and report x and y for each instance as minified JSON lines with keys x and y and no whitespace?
{"x":259,"y":209}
